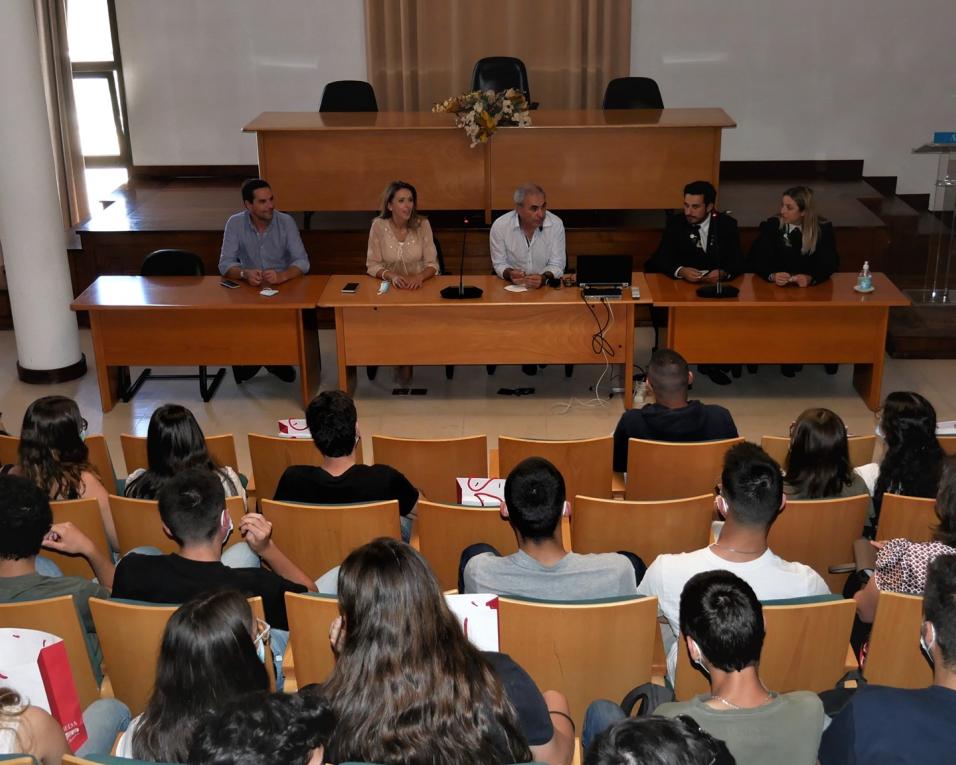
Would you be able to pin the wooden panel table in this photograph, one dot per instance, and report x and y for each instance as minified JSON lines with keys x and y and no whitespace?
{"x":185,"y":321}
{"x":544,"y":326}
{"x":343,"y":161}
{"x":826,"y":324}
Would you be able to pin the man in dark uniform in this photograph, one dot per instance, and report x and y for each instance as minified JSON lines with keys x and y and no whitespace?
{"x":697,"y":247}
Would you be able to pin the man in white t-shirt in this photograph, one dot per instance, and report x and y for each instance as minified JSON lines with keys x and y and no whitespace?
{"x":750,"y":498}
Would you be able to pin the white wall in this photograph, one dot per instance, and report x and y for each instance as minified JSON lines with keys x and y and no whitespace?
{"x":851,"y":79}
{"x":817,"y":79}
{"x":196,"y":71}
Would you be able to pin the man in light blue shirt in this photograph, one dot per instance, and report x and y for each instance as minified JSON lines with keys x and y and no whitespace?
{"x":262,"y":246}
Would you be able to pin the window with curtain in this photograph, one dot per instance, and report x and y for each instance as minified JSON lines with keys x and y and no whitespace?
{"x":422,"y":51}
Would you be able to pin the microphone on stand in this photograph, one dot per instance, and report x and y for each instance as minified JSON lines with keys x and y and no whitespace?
{"x":717,"y":290}
{"x":461,"y":292}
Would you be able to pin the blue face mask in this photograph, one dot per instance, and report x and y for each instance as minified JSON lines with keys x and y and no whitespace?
{"x":928,"y":649}
{"x":260,"y":639}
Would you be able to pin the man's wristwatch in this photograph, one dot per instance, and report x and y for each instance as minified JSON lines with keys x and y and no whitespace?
{"x":242,"y":274}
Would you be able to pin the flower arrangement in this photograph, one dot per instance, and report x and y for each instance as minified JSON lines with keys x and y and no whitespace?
{"x":480,"y":112}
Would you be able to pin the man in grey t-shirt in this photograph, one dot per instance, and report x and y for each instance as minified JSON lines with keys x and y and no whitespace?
{"x":542,"y":568}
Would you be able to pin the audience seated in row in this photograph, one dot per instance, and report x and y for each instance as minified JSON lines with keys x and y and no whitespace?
{"x":208,"y":657}
{"x":751,"y":496}
{"x":332,"y":421}
{"x":52,"y":455}
{"x":671,"y":417}
{"x":408,"y":687}
{"x":175,"y":442}
{"x":534,"y":504}
{"x":722,"y":625}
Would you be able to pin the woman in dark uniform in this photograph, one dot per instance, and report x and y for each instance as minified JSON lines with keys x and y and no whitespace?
{"x":795,"y":248}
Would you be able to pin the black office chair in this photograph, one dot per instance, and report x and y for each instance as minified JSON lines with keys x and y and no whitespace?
{"x":171,"y":263}
{"x":344,"y":96}
{"x":633,"y":93}
{"x":348,"y":96}
{"x":500,"y":73}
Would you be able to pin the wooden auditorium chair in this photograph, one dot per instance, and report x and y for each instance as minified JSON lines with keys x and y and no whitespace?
{"x":861,"y":448}
{"x":584,"y":463}
{"x":587,"y":649}
{"x":319,"y":537}
{"x":432,"y":465}
{"x":85,"y":515}
{"x":445,"y":530}
{"x":646,"y":529}
{"x":138,"y":523}
{"x":659,"y":470}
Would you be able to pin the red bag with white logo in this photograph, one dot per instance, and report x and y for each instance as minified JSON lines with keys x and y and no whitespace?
{"x":35,"y":664}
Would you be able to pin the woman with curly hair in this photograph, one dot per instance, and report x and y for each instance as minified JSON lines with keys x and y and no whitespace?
{"x":913,"y":459}
{"x":291,"y":728}
{"x":53,"y":455}
{"x":208,"y":656}
{"x":408,"y":687}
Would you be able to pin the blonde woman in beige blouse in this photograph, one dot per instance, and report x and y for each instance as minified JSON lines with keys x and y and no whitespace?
{"x":401,"y":249}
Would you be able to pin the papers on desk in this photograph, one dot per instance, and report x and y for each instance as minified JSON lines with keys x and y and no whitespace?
{"x":516,"y":288}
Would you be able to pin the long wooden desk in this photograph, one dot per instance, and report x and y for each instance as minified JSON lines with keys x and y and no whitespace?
{"x":829,"y":323}
{"x":184,"y":320}
{"x":544,"y":326}
{"x":585,"y":159}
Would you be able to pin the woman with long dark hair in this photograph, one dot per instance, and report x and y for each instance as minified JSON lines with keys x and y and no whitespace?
{"x":175,"y":442}
{"x":818,"y":463}
{"x":53,"y":455}
{"x":913,"y":459}
{"x":208,"y":656}
{"x":408,"y":687}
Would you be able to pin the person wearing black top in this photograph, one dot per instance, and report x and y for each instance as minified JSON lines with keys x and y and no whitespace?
{"x":795,"y":248}
{"x":671,"y":417}
{"x":696,"y":243}
{"x":192,"y":506}
{"x":696,"y":247}
{"x":332,"y":421}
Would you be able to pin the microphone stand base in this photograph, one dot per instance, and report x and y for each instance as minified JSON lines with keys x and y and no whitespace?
{"x":461,"y":293}
{"x":717,"y":291}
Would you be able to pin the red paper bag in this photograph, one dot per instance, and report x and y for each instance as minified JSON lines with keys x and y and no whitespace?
{"x":36,"y":665}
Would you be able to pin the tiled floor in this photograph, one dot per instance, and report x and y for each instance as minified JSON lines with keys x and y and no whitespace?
{"x":764,"y":403}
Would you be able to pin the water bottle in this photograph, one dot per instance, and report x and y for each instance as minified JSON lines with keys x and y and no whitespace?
{"x":864,"y":282}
